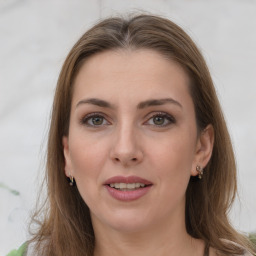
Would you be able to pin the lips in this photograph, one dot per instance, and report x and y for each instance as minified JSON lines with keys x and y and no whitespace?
{"x":129,"y":179}
{"x":127,"y":188}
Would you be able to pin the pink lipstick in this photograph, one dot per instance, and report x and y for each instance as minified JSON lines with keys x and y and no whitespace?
{"x":127,"y":188}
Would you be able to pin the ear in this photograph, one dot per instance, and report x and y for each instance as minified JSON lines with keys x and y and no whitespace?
{"x":204,"y":149}
{"x":68,"y":167}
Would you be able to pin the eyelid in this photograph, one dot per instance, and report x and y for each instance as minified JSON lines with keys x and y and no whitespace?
{"x":86,"y":117}
{"x":169,"y":117}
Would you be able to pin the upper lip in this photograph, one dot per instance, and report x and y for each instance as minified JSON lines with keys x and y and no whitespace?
{"x":129,"y":179}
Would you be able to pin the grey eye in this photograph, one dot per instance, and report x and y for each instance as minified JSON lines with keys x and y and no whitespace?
{"x":159,"y":120}
{"x":94,"y":120}
{"x":98,"y":120}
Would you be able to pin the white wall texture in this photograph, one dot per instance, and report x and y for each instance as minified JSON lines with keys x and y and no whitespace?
{"x":35,"y":37}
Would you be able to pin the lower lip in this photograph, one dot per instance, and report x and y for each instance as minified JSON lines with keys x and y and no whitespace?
{"x":128,"y":195}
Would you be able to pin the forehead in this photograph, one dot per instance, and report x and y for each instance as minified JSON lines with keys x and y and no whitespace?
{"x":130,"y":74}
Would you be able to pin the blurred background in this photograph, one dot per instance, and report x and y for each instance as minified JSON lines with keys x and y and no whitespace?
{"x":35,"y":37}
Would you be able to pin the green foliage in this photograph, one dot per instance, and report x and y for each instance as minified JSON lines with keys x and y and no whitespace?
{"x":19,"y":252}
{"x":252,"y":238}
{"x":14,"y":192}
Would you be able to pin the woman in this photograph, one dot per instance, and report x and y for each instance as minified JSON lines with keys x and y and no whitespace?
{"x":138,"y":131}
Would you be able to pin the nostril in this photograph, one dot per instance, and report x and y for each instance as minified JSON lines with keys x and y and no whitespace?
{"x":133,"y":159}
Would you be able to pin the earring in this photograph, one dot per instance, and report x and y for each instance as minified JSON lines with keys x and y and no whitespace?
{"x":71,"y":181}
{"x":200,"y":171}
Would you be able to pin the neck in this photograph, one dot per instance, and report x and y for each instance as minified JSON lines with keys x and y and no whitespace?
{"x":167,"y":239}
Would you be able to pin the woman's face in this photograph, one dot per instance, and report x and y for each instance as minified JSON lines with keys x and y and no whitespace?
{"x":132,"y":143}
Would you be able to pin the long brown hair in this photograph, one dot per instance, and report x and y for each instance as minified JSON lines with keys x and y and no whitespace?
{"x":66,"y":227}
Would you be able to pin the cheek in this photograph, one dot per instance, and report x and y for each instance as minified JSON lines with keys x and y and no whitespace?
{"x":175,"y":151}
{"x":87,"y":156}
{"x":87,"y":161}
{"x":172,"y":159}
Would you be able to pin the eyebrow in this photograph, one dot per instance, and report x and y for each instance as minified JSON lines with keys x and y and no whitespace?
{"x":94,"y":101}
{"x":157,"y":102}
{"x":141,"y":105}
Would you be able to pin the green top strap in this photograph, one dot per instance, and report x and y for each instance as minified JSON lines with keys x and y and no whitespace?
{"x":20,"y":252}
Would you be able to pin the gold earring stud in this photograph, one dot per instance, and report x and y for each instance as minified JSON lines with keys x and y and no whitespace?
{"x":71,"y":180}
{"x":200,"y":171}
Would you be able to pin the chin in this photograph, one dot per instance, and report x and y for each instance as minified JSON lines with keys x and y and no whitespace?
{"x":128,"y":222}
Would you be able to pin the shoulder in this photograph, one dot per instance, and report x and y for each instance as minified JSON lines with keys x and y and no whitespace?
{"x":248,"y":254}
{"x":245,"y":253}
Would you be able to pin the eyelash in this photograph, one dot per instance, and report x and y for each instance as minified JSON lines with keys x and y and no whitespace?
{"x":84,"y":120}
{"x":170,"y":119}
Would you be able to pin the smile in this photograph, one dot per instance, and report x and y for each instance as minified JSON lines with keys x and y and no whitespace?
{"x":127,"y":188}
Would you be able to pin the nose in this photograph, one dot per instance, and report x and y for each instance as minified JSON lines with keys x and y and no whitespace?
{"x":125,"y":148}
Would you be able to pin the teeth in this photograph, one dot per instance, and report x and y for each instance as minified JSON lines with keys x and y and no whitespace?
{"x":122,"y":185}
{"x":127,"y":186}
{"x":131,"y":185}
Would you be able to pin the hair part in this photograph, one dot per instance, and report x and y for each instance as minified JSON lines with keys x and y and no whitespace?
{"x":67,"y":228}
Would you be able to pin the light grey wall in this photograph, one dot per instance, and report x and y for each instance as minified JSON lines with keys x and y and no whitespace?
{"x":35,"y":37}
